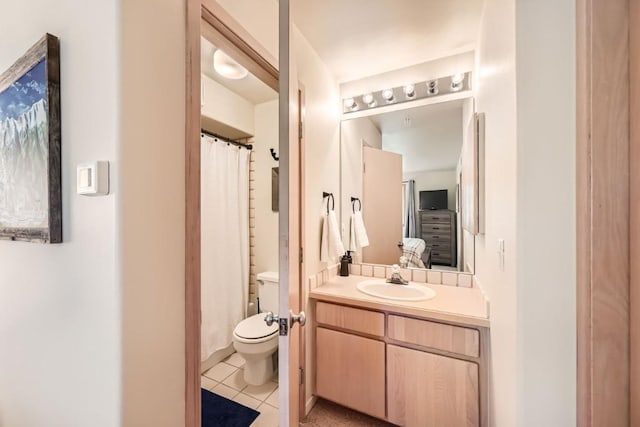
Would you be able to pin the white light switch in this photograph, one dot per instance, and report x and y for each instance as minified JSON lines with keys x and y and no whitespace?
{"x":501,"y":254}
{"x":93,"y":178}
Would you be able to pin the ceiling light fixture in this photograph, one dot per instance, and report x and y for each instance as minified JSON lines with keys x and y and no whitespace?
{"x":409,"y":91}
{"x":369,"y":100}
{"x":432,"y":87}
{"x":456,"y":81}
{"x":227,"y":67}
{"x":350,"y":104}
{"x":387,"y":94}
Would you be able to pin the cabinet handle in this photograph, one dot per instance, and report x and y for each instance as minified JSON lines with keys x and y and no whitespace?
{"x":436,"y":228}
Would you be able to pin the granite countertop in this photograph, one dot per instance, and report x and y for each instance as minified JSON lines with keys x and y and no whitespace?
{"x":466,"y":306}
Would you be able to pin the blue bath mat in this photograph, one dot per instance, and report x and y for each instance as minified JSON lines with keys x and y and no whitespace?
{"x":218,"y":411}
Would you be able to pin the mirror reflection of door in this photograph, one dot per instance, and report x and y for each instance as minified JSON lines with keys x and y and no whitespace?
{"x":382,"y":196}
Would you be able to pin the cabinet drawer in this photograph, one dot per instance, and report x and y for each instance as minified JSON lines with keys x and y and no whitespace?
{"x":441,"y":255}
{"x":442,"y":246}
{"x":436,"y":228}
{"x":352,"y":319}
{"x":454,"y":339}
{"x":443,"y":236}
{"x":427,"y":217}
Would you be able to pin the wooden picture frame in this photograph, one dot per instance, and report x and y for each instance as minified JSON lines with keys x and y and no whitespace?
{"x":30,"y":146}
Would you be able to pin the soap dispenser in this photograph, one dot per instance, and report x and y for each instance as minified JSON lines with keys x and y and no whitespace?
{"x":344,"y":264}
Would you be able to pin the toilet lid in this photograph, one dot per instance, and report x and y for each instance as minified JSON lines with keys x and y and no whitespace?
{"x":254,"y":327}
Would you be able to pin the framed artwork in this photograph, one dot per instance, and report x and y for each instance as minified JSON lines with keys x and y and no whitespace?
{"x":30,"y":170}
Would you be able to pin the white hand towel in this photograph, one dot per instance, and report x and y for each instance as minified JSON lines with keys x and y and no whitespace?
{"x":324,"y":240}
{"x":361,"y":231}
{"x":353,"y":242}
{"x":336,"y":247}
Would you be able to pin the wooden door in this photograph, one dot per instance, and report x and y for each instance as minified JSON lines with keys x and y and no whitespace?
{"x":425,"y":389}
{"x":350,"y":371}
{"x":382,"y":205}
{"x":289,"y":225}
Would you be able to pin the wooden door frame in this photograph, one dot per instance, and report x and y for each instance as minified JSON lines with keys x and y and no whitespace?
{"x":603,"y":215}
{"x":245,"y":49}
{"x":634,"y":212}
{"x":303,"y":271}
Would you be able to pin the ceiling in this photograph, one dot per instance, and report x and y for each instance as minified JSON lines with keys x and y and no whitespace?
{"x":431,"y":142}
{"x":250,"y":88}
{"x":360,"y":38}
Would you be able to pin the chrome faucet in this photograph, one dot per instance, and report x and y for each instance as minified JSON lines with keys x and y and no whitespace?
{"x":396,"y":278}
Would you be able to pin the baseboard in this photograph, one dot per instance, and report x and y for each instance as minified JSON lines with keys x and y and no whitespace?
{"x":310,"y":404}
{"x":216,"y":358}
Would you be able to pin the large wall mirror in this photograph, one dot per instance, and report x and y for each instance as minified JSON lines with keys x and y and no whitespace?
{"x":406,"y":171}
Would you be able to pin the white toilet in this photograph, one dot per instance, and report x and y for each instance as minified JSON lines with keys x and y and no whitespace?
{"x":253,"y":339}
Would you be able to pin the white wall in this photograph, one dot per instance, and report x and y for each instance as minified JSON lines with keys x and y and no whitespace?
{"x":546,"y":212}
{"x":495,"y":91}
{"x":530,"y":194}
{"x":322,"y":162}
{"x":225,"y":106}
{"x":259,"y":18}
{"x":434,"y":180}
{"x":60,"y":304}
{"x":352,"y":135}
{"x":429,"y":70}
{"x":266,"y":244}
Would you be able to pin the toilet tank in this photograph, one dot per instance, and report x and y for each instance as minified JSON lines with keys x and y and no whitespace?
{"x":268,"y":290}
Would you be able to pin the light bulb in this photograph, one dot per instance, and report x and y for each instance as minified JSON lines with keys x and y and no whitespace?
{"x":457,"y":78}
{"x":432,"y":87}
{"x":227,"y":67}
{"x":409,"y":91}
{"x":456,"y":81}
{"x":387,"y":94}
{"x":350,"y":104}
{"x":368,"y":99}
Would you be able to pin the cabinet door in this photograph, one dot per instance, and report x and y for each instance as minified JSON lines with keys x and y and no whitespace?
{"x":350,"y":371}
{"x":430,"y":390}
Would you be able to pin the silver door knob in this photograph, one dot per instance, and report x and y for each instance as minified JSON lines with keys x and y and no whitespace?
{"x":271,"y":318}
{"x":300,"y":318}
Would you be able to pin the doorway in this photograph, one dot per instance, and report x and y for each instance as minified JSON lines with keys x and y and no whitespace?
{"x":210,"y":29}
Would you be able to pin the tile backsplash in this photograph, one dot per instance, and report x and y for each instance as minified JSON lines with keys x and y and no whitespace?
{"x":420,"y":275}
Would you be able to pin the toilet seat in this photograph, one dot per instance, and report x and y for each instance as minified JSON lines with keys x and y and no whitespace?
{"x":253,"y":329}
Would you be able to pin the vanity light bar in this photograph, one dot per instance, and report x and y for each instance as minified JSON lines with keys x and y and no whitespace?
{"x":408,"y":92}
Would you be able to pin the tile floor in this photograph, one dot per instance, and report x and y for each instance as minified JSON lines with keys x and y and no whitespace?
{"x":226,"y":379}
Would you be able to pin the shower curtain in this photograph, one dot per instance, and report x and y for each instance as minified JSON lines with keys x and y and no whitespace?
{"x":225,"y":241}
{"x":410,"y":210}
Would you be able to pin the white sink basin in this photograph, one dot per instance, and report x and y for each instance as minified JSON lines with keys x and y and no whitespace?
{"x":381,"y":289}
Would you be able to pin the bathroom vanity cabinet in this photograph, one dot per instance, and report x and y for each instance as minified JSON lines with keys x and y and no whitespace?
{"x":409,"y":371}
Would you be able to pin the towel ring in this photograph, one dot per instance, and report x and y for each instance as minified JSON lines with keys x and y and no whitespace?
{"x":333,"y":201}
{"x":353,"y":204}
